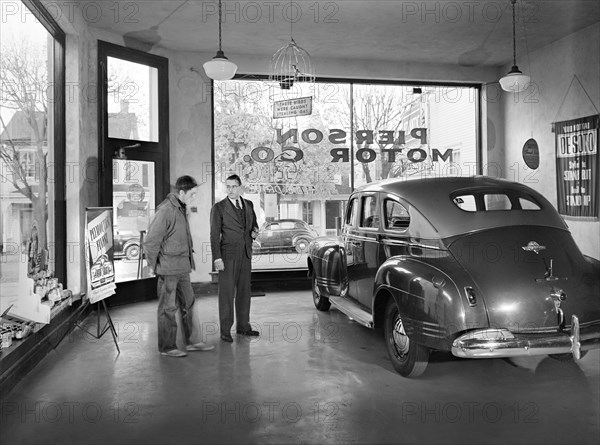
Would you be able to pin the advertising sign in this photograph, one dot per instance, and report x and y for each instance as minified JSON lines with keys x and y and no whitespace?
{"x":99,"y":253}
{"x":301,"y":106}
{"x":577,"y":165}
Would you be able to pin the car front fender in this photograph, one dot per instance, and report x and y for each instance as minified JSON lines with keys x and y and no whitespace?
{"x":327,"y":264}
{"x":130,"y":242}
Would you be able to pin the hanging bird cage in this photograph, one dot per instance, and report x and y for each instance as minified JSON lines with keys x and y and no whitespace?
{"x":291,"y":64}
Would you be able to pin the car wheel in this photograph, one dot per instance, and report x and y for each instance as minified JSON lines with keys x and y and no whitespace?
{"x":132,"y":252}
{"x":321,"y":303}
{"x":408,"y":358}
{"x":302,"y":245}
{"x":567,"y":357}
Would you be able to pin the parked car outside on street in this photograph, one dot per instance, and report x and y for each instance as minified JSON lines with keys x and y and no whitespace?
{"x":476,"y":266}
{"x":126,"y":245}
{"x":284,"y":235}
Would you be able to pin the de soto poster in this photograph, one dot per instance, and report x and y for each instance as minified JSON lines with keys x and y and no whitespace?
{"x":99,"y":253}
{"x":577,"y":165}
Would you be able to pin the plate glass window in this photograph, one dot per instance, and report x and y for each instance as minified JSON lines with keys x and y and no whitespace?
{"x":27,"y":152}
{"x":301,"y":152}
{"x":132,"y":101}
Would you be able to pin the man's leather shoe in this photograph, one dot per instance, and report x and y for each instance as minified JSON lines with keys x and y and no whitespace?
{"x":249,"y":333}
{"x":227,"y":337}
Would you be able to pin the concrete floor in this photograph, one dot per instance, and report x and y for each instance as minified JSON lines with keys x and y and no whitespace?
{"x":311,"y":377}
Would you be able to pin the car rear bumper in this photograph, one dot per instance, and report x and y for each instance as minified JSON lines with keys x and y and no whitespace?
{"x":488,"y":343}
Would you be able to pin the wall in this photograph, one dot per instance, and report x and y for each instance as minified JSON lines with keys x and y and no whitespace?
{"x":191,"y":146}
{"x":81,"y":137}
{"x":530,"y":114}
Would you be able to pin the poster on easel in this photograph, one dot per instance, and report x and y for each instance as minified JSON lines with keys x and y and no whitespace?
{"x":577,"y":167}
{"x":99,"y":248}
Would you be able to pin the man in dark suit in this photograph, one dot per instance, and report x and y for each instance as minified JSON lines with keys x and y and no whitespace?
{"x":233,"y":226}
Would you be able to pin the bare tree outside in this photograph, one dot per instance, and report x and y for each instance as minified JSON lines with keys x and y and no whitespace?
{"x":25,"y":82}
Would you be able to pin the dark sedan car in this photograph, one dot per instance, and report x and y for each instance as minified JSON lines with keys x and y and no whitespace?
{"x":476,"y":266}
{"x":127,"y":244}
{"x":284,"y":235}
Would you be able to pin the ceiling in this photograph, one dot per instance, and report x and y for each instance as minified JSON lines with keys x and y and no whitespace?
{"x":465,"y":33}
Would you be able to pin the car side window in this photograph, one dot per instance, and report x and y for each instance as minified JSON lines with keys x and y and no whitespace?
{"x":369,"y":212}
{"x":351,"y":213}
{"x":396,"y":215}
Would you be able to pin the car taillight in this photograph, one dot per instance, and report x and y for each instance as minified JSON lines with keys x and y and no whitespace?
{"x":471,"y":297}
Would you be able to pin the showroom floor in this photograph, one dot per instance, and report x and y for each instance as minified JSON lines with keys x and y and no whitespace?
{"x":311,"y":377}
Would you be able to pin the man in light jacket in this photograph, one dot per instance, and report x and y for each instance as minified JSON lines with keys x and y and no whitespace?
{"x":168,"y":247}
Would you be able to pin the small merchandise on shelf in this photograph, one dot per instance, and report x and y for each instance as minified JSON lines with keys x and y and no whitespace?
{"x":18,"y":329}
{"x":49,"y":290}
{"x":13,"y":329}
{"x":17,"y":323}
{"x":7,"y":336}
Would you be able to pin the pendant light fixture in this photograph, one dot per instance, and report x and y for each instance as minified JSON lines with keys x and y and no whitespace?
{"x":219,"y":67}
{"x":515,"y":81}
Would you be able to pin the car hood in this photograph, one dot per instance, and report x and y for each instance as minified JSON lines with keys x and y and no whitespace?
{"x":520,"y":274}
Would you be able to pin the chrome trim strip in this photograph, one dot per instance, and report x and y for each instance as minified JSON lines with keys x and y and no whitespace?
{"x":575,"y":338}
{"x":409,"y":244}
{"x":362,"y":238}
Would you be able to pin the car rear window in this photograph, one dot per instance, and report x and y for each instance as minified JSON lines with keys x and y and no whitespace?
{"x":489,"y":201}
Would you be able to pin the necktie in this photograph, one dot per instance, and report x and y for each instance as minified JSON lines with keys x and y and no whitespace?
{"x":240,"y":211}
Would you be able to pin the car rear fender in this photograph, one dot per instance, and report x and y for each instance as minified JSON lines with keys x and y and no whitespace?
{"x":431,"y":298}
{"x":327,"y":263}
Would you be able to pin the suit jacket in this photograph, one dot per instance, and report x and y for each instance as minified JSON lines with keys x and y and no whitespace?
{"x":230,"y":237}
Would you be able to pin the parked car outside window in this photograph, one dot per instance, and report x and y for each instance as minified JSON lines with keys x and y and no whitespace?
{"x":126,"y":244}
{"x":284,"y":235}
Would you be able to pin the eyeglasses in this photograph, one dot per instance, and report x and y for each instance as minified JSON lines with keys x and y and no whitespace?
{"x":230,"y":187}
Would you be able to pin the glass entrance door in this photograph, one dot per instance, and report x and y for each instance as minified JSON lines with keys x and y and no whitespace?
{"x":134,"y":197}
{"x":134,"y":147}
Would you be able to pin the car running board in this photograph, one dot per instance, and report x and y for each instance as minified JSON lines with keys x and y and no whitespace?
{"x":352,"y":311}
